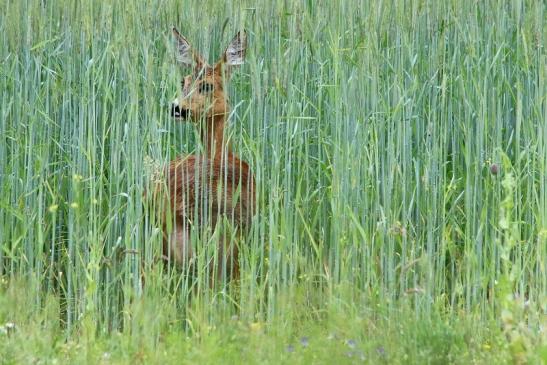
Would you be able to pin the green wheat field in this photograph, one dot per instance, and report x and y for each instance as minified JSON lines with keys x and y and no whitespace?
{"x":400,"y":155}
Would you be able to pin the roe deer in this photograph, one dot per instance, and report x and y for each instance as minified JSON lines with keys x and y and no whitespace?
{"x":208,"y":187}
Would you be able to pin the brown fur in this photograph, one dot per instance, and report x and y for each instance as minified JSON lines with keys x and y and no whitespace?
{"x":201,"y":191}
{"x":216,"y":184}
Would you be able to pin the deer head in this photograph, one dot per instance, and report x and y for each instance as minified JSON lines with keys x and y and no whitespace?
{"x":203,"y":94}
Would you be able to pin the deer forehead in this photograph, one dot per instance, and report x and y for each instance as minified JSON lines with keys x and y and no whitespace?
{"x":191,"y":82}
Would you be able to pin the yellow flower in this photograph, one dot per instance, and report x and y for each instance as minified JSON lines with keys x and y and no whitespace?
{"x":256,"y":327}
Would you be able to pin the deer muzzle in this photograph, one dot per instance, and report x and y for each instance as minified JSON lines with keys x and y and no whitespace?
{"x":178,"y":112}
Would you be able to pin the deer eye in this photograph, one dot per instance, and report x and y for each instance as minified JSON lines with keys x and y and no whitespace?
{"x":205,"y":88}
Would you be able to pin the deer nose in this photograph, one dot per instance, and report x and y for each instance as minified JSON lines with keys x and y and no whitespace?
{"x":178,"y":112}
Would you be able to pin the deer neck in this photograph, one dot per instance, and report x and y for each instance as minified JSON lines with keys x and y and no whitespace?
{"x":212,"y":136}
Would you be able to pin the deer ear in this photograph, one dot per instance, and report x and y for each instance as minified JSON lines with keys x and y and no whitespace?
{"x":235,"y":53}
{"x":183,"y":49}
{"x":184,"y":52}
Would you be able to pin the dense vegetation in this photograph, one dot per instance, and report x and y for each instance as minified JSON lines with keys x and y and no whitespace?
{"x":399,"y":149}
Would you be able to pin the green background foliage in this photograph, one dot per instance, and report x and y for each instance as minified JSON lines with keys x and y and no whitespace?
{"x":398,"y":147}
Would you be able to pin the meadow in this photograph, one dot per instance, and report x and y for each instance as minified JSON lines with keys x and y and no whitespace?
{"x":399,"y":149}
